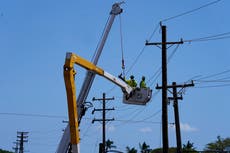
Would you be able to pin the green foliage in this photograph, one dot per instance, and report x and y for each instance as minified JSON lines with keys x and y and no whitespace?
{"x":219,"y":145}
{"x":131,"y":150}
{"x":189,"y":147}
{"x":160,"y":150}
{"x":4,"y":151}
{"x":144,"y":147}
{"x":109,"y":145}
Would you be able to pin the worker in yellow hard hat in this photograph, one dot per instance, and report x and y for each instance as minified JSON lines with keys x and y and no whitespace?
{"x":142,"y":83}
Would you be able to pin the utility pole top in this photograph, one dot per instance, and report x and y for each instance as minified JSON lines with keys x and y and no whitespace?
{"x":102,"y":146}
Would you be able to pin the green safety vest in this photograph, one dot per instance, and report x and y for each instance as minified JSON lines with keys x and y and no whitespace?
{"x":132,"y":83}
{"x":142,"y":84}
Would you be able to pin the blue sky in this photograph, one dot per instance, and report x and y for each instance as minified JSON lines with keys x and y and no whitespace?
{"x":35,"y":35}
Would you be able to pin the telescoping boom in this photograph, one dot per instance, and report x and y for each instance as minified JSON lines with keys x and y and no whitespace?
{"x":131,"y":95}
{"x":86,"y":86}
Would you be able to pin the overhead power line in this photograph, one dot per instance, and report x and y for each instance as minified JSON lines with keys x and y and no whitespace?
{"x":191,"y":11}
{"x":33,"y":115}
{"x":225,"y":35}
{"x":214,"y":86}
{"x":143,"y":49}
{"x":158,"y":72}
{"x":213,"y":75}
{"x":220,"y":79}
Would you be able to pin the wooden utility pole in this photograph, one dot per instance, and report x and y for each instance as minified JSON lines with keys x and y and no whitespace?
{"x":22,"y":137}
{"x":164,"y":44}
{"x":104,"y":120}
{"x":175,"y":99}
{"x":16,"y":147}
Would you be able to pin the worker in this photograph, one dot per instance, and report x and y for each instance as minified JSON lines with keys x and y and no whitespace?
{"x":131,"y":82}
{"x":142,"y":83}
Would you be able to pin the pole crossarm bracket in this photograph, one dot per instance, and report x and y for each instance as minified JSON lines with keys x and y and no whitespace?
{"x":177,"y":86}
{"x":164,"y":43}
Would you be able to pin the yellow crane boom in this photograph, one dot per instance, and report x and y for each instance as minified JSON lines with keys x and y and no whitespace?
{"x":69,"y":76}
{"x":131,"y":95}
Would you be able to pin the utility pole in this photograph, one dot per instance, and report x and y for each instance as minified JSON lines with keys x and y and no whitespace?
{"x":104,"y":109}
{"x":16,"y":147}
{"x":164,"y":44}
{"x":21,"y":138}
{"x":175,"y":99}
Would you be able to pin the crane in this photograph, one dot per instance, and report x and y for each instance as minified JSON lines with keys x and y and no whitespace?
{"x":139,"y":96}
{"x":65,"y":140}
{"x":131,"y":95}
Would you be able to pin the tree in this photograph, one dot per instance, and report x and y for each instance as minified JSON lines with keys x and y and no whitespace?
{"x":219,"y":145}
{"x":131,"y":150}
{"x":4,"y":151}
{"x":109,"y":145}
{"x":160,"y":150}
{"x":144,"y":147}
{"x":189,"y":147}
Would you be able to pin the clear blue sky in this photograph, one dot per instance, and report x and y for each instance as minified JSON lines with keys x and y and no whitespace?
{"x":35,"y":35}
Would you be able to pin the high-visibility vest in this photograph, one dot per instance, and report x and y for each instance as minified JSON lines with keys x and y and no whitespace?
{"x":142,"y":84}
{"x":128,"y":82}
{"x":132,"y":83}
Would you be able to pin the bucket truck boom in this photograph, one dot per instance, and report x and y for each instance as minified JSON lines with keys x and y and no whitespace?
{"x":69,"y":76}
{"x":65,"y":140}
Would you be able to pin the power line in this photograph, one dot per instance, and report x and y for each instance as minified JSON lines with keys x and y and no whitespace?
{"x":158,"y":72}
{"x":138,"y":121}
{"x":225,"y":35}
{"x":216,"y":80}
{"x":143,"y":49}
{"x":213,"y":75}
{"x":33,"y":115}
{"x":214,"y":86}
{"x":191,"y":11}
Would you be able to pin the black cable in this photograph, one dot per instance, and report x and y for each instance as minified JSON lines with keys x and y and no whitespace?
{"x":214,"y":86}
{"x":212,"y":37}
{"x":156,"y":113}
{"x":213,"y":75}
{"x":158,"y":73}
{"x":137,"y":121}
{"x":142,"y":50}
{"x":154,"y":31}
{"x":191,"y":11}
{"x":33,"y":115}
{"x":215,"y":81}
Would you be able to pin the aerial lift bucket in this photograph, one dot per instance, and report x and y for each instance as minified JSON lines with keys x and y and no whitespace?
{"x":139,"y":96}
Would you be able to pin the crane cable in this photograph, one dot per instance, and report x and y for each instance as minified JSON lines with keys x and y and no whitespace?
{"x":122,"y":49}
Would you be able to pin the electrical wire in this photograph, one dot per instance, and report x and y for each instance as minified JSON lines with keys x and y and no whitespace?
{"x":225,"y":35}
{"x":156,"y":113}
{"x":214,"y":75}
{"x":142,"y":50}
{"x":216,"y":81}
{"x":136,"y":121}
{"x":214,"y":86}
{"x":191,"y":11}
{"x":154,"y":31}
{"x":158,"y":72}
{"x":138,"y":56}
{"x":33,"y":115}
